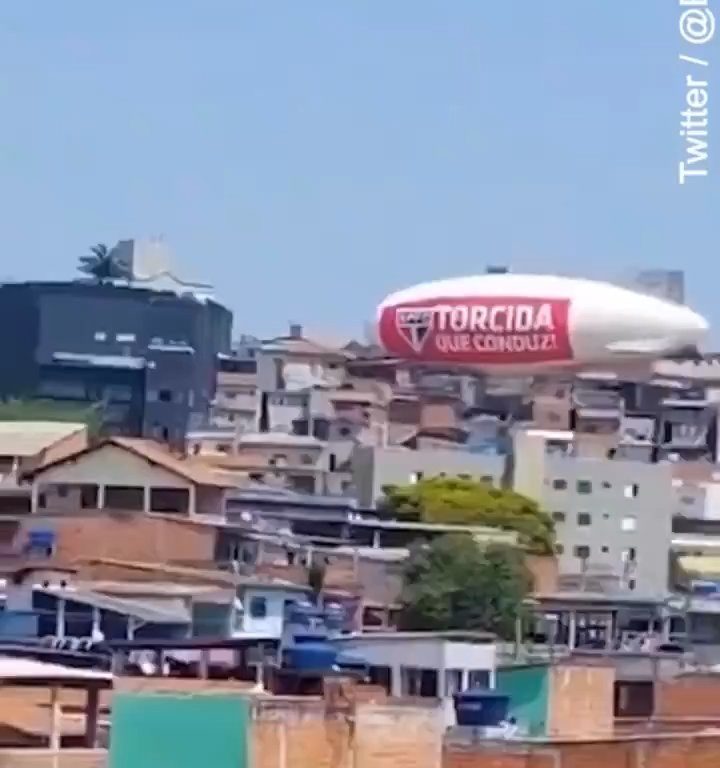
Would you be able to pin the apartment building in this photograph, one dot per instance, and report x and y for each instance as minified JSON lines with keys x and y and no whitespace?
{"x":374,"y":468}
{"x":237,"y":400}
{"x":147,"y":355}
{"x":613,"y":517}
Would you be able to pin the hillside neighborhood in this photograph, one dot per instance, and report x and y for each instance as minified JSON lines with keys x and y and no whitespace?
{"x":371,"y":562}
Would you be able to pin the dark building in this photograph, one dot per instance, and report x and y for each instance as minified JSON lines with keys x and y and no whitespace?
{"x":149,"y":357}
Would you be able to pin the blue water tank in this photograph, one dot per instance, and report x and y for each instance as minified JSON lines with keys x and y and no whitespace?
{"x":481,"y":707}
{"x":310,"y":656}
{"x":301,"y":613}
{"x":334,"y":617}
{"x":348,"y":662}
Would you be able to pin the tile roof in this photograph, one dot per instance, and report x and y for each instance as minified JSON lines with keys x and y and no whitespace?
{"x":155,"y":453}
{"x":304,"y":346}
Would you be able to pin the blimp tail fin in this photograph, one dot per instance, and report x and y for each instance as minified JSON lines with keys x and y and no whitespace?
{"x":640,"y":347}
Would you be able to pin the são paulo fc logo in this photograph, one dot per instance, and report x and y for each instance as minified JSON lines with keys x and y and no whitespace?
{"x":414,"y":325}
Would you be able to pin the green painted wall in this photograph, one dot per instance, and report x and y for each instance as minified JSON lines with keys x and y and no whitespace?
{"x":529,"y":689}
{"x":170,"y":731}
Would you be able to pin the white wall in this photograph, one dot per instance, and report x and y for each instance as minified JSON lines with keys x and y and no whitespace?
{"x":272,"y":623}
{"x":424,"y":653}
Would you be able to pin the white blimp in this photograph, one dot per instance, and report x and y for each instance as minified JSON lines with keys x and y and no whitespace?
{"x":512,"y":323}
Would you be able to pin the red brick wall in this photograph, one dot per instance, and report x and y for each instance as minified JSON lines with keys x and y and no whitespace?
{"x":132,"y":536}
{"x":292,"y":734}
{"x":581,"y":702}
{"x":661,"y":752}
{"x":544,"y":572}
{"x":688,"y":696}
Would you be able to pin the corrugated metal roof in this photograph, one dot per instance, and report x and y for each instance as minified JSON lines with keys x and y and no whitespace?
{"x":156,"y":611}
{"x":12,"y":668}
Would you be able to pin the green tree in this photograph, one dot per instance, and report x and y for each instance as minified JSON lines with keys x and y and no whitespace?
{"x":456,"y":583}
{"x":467,"y":502}
{"x":102,"y":264}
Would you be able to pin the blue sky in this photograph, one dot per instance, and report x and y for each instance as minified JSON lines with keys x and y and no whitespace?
{"x":308,"y":156}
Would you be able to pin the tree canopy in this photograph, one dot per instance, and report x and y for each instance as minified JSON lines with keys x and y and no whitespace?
{"x":456,"y":583}
{"x":102,"y":264}
{"x":468,"y":502}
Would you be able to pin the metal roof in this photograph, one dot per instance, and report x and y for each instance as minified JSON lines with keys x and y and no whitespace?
{"x":155,"y":611}
{"x":29,"y":670}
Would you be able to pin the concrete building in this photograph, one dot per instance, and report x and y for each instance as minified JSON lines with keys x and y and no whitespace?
{"x":149,"y":356}
{"x":278,"y":459}
{"x":613,"y":517}
{"x":427,"y":664}
{"x":374,"y":468}
{"x":237,"y":399}
{"x":128,"y":475}
{"x":664,"y":283}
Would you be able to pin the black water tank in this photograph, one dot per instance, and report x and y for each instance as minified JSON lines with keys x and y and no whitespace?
{"x":481,"y":707}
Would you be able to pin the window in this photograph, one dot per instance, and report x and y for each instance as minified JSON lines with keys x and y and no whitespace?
{"x":629,"y":523}
{"x":165,"y":396}
{"x":606,"y":484}
{"x":306,"y":458}
{"x":559,"y":549}
{"x":381,"y":676}
{"x":584,"y":518}
{"x":558,"y":517}
{"x":559,"y":485}
{"x":604,"y":550}
{"x":62,"y":491}
{"x":418,"y":682}
{"x":258,"y":608}
{"x":631,"y":491}
{"x":582,"y":551}
{"x":478,"y":678}
{"x":583,"y":486}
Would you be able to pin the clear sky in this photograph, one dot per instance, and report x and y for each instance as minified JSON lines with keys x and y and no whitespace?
{"x":308,"y":156}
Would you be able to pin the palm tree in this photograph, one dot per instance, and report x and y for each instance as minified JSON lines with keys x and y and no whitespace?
{"x":102,"y":264}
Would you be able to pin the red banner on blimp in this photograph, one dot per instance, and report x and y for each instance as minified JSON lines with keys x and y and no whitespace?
{"x":503,"y":330}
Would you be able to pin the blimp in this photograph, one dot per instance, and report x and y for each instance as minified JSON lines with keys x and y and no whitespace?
{"x":529,"y":324}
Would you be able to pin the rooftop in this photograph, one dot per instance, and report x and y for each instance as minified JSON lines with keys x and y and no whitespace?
{"x":19,"y":671}
{"x":155,"y":453}
{"x":28,"y":438}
